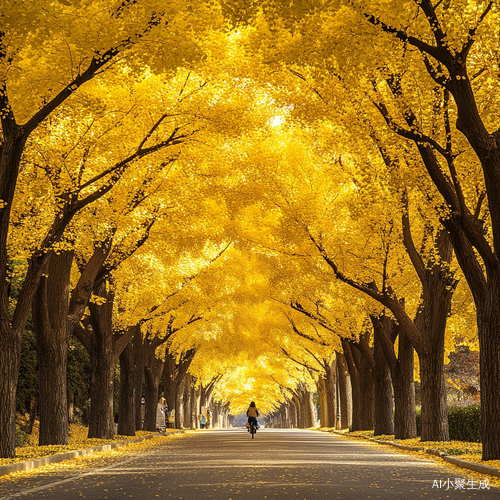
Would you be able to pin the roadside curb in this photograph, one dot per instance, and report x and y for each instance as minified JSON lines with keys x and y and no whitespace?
{"x":464,"y":464}
{"x":53,"y":459}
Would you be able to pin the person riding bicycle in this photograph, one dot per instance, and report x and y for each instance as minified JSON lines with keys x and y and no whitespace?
{"x":252,"y":414}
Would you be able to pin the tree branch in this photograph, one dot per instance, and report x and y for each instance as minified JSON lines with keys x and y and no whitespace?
{"x":408,"y":242}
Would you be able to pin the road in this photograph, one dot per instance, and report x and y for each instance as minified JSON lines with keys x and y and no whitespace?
{"x":229,"y":465}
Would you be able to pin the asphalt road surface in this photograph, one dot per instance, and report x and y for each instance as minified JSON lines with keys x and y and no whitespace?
{"x":277,"y":464}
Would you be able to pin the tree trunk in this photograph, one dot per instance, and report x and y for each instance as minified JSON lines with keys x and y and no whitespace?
{"x":179,"y":416}
{"x":10,"y":357}
{"x":384,"y":415}
{"x":286,"y":416}
{"x":434,"y":411}
{"x":298,"y":408}
{"x":128,"y":385}
{"x":101,"y":421}
{"x":331,"y":396}
{"x":355,"y":387}
{"x":138,"y":344}
{"x":367,"y":395}
{"x":431,"y":322}
{"x":175,"y":374}
{"x":294,"y":419}
{"x":489,"y":367}
{"x":154,"y":369}
{"x":105,"y":351}
{"x":405,"y":425}
{"x":186,"y":398}
{"x":194,"y":407}
{"x":401,"y":367}
{"x":52,"y":382}
{"x":323,"y":405}
{"x":169,"y":381}
{"x":486,"y":293}
{"x":344,"y":391}
{"x":197,"y":397}
{"x":13,"y":142}
{"x":215,"y":416}
{"x":50,"y":322}
{"x":310,"y":409}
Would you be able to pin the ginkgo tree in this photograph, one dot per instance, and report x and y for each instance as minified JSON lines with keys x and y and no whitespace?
{"x":439,"y":62}
{"x":64,"y":53}
{"x":76,"y":182}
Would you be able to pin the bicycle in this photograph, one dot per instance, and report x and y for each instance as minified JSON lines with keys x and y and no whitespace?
{"x":253,"y":428}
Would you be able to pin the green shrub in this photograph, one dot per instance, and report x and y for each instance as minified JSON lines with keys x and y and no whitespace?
{"x":22,"y":439}
{"x":464,"y":423}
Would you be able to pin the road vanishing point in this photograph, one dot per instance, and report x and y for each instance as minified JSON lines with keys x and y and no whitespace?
{"x":277,"y":464}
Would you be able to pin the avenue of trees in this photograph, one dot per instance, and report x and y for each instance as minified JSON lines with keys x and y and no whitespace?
{"x":234,"y":200}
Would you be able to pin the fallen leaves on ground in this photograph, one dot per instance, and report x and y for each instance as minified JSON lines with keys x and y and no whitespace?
{"x":77,"y":441}
{"x":95,"y":460}
{"x":464,"y":450}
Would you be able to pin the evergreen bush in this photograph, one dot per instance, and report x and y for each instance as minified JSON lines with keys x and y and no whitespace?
{"x":465,"y":423}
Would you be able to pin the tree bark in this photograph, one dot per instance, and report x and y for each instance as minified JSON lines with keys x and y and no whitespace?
{"x":140,"y":354}
{"x":384,"y":413}
{"x":179,"y":406}
{"x":197,"y":398}
{"x":103,"y":360}
{"x":169,"y":380}
{"x":344,"y":391}
{"x":195,"y":407}
{"x":294,"y":419}
{"x":437,"y":291}
{"x":154,"y":369}
{"x":298,"y":408}
{"x":10,"y":357}
{"x":331,"y":396}
{"x":383,"y":409}
{"x":367,"y":394}
{"x":401,"y":367}
{"x":362,"y":388}
{"x":105,"y":349}
{"x":434,"y":410}
{"x":186,"y":398}
{"x":50,"y":322}
{"x":128,"y":386}
{"x":353,"y":376}
{"x":405,"y":426}
{"x":55,"y":316}
{"x":174,"y":374}
{"x":323,"y":405}
{"x":489,"y":366}
{"x":310,"y":409}
{"x":375,"y":359}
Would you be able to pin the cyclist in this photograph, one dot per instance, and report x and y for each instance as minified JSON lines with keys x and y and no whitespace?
{"x":252,"y":414}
